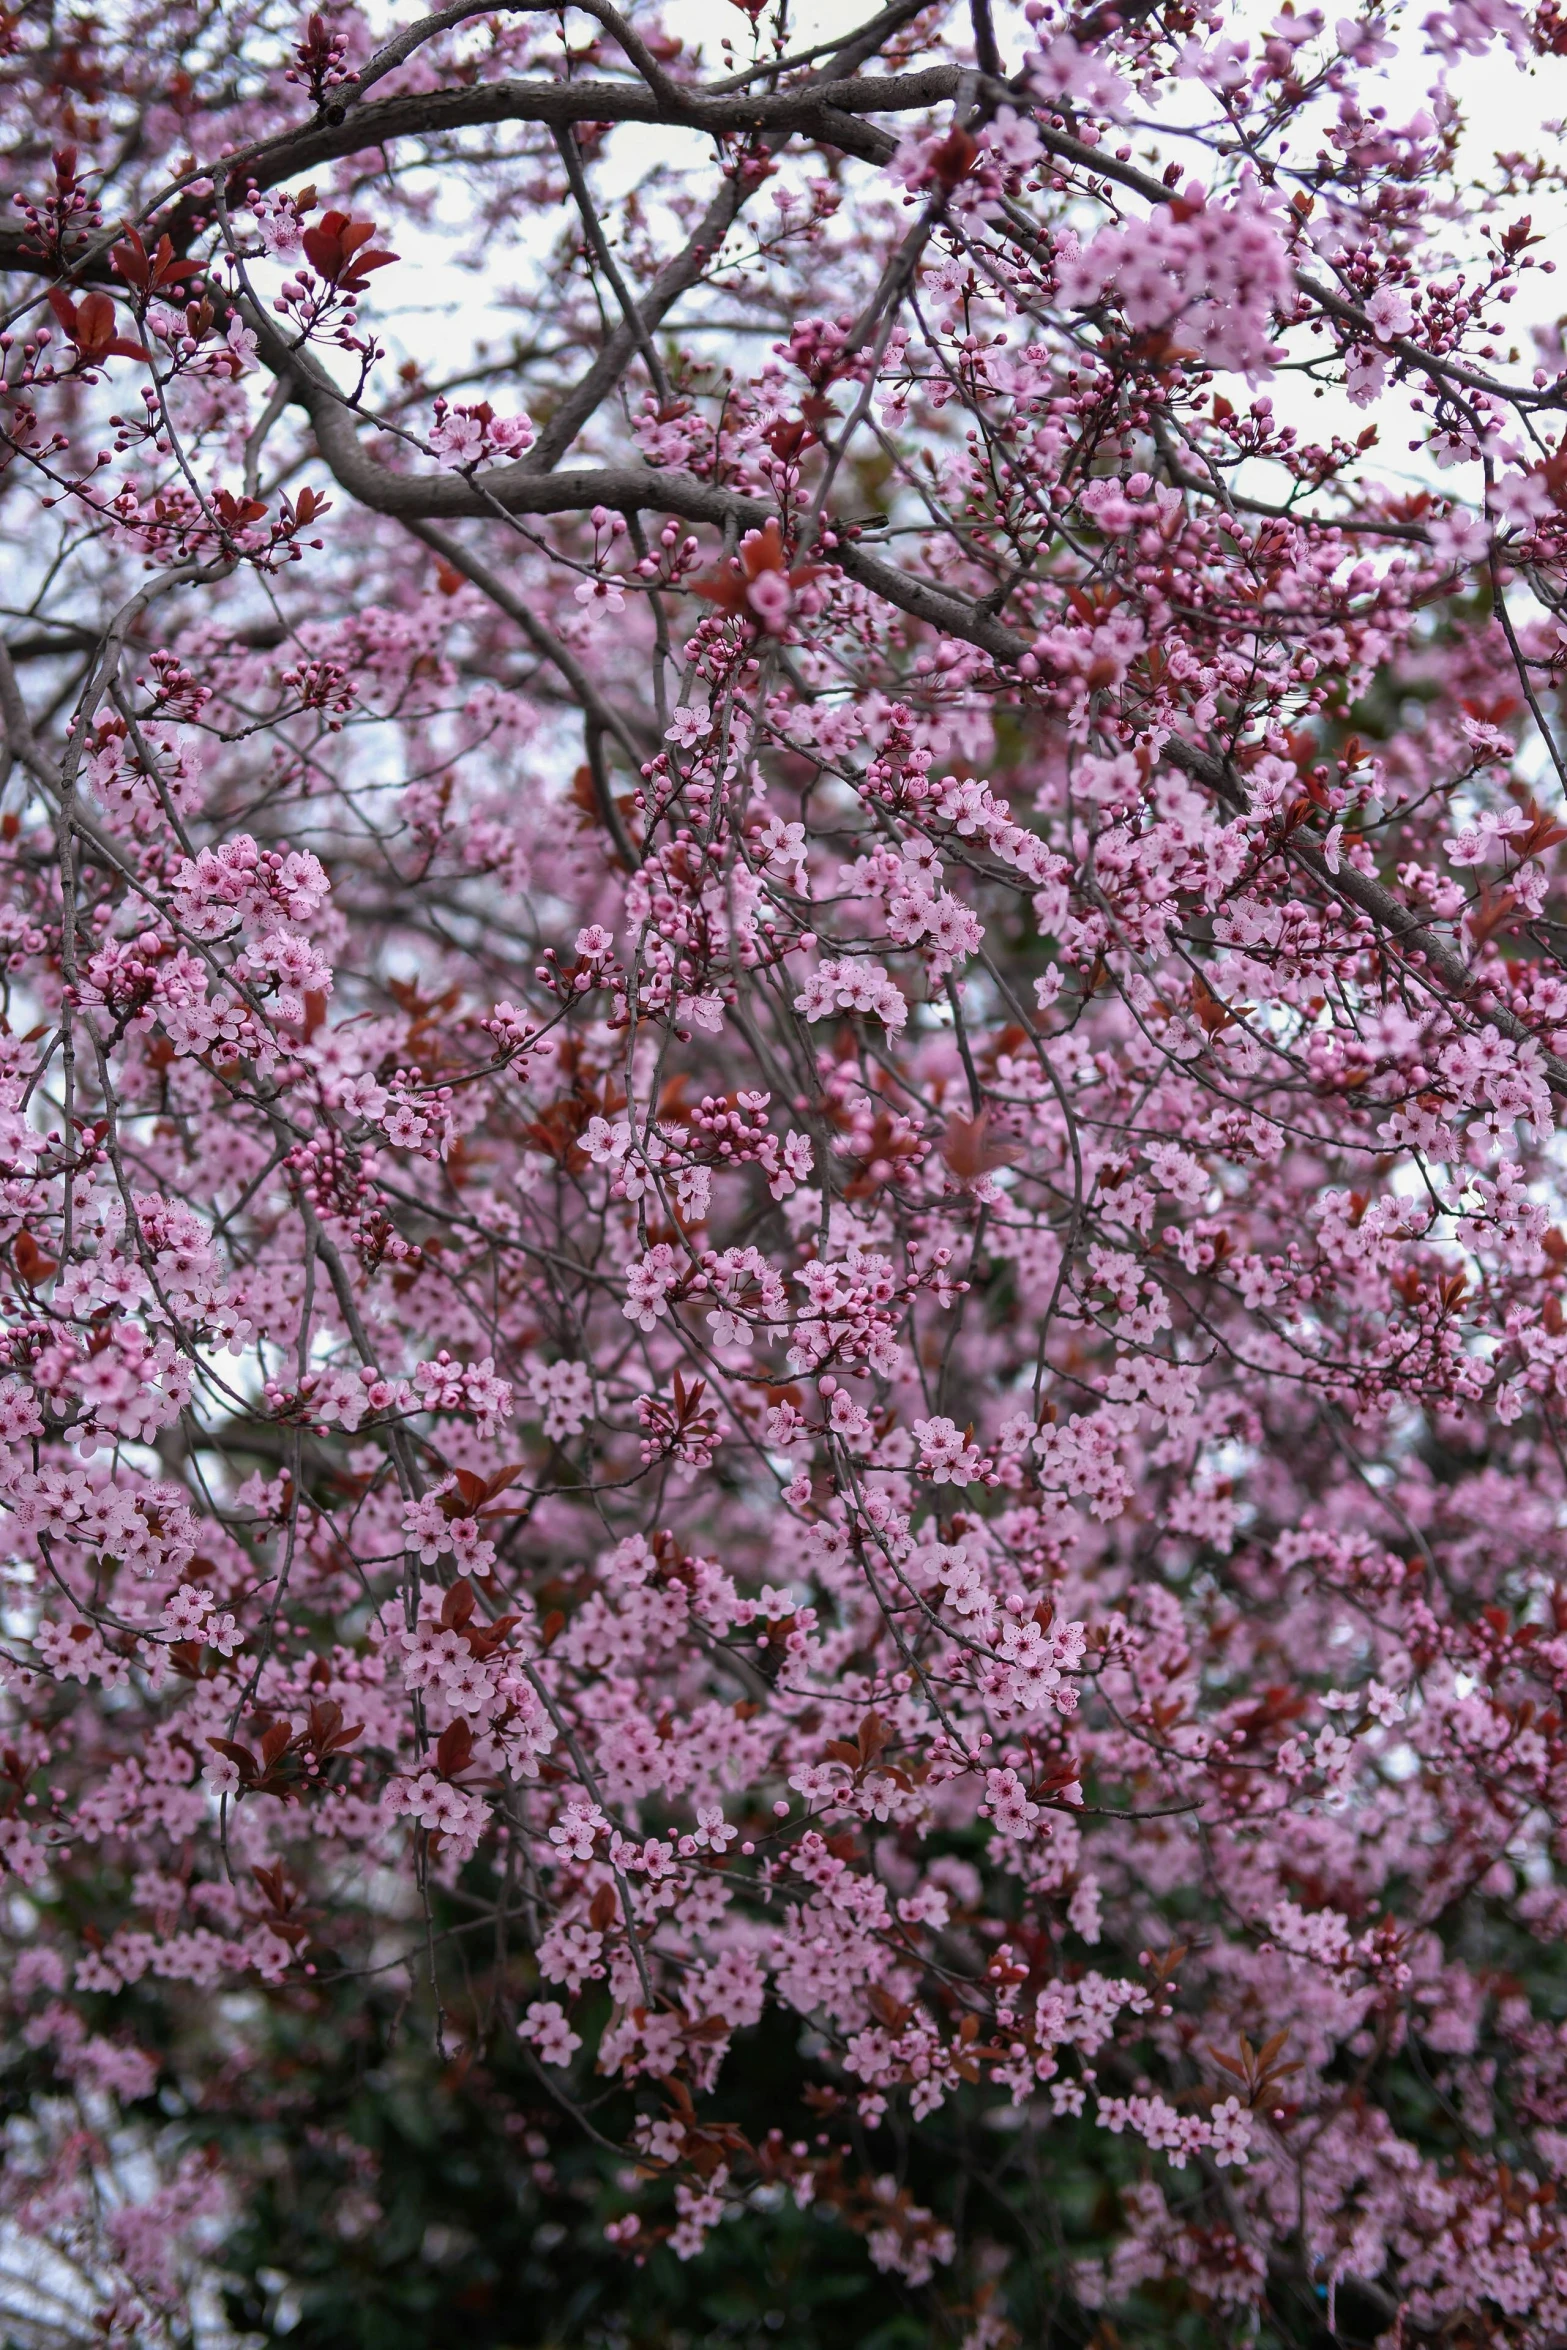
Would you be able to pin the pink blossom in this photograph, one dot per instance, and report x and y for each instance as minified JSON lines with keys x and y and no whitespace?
{"x":1390,"y":313}
{"x":546,"y":2027}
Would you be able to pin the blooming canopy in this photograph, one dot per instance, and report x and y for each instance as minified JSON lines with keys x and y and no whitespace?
{"x":782,"y":1247}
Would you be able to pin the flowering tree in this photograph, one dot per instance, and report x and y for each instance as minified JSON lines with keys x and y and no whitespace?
{"x":783,"y":1265}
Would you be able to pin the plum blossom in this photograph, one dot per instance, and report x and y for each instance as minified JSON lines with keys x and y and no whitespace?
{"x":782,"y":1261}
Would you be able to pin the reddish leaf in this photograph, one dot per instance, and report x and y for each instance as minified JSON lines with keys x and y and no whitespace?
{"x":240,"y":1756}
{"x":603,"y":1909}
{"x":30,"y":1260}
{"x":970,"y":1151}
{"x":335,"y":249}
{"x":485,"y":1639}
{"x":161,"y":272}
{"x":887,"y":2010}
{"x":90,"y":326}
{"x":275,"y":1743}
{"x":458,"y":1604}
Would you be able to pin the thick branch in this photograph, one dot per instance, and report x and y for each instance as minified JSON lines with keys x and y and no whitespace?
{"x":639,"y":489}
{"x":801,"y":112}
{"x":635,"y":332}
